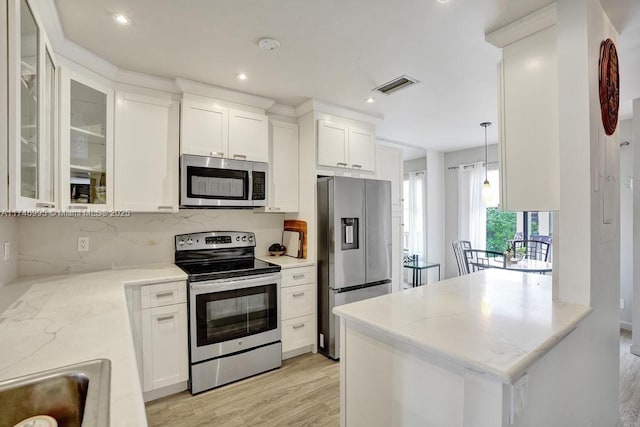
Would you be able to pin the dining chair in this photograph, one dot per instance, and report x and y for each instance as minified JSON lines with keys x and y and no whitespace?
{"x":459,"y":246}
{"x":535,"y":249}
{"x":481,"y":259}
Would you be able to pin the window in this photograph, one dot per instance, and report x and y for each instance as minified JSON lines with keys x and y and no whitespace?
{"x":503,"y":226}
{"x":413,"y":236}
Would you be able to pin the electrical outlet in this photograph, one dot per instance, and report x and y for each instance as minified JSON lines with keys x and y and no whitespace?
{"x":7,"y":251}
{"x":621,"y":303}
{"x":83,"y":244}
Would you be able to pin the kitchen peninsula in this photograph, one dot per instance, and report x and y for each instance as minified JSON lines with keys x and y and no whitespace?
{"x":462,"y":352}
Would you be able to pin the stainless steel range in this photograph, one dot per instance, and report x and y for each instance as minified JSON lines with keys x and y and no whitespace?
{"x":234,"y":308}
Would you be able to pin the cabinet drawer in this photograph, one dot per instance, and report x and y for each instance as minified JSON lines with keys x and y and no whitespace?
{"x":298,"y":332}
{"x":298,"y":276}
{"x":298,"y":301}
{"x":163,"y":294}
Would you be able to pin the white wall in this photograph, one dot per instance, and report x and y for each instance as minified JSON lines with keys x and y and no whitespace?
{"x":49,"y":245}
{"x":455,"y":158}
{"x":8,"y":233}
{"x":415,"y":165}
{"x":435,"y":212}
{"x":635,"y":320}
{"x":626,"y":224}
{"x":589,"y":249}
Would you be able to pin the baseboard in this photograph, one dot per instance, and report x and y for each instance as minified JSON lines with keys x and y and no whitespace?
{"x":625,"y":325}
{"x":165,"y":391}
{"x":298,"y":352}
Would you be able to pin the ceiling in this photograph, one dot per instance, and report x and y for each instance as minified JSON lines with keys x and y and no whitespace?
{"x":336,"y":51}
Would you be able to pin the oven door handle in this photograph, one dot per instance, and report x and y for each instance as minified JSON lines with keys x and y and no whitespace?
{"x":235,"y":283}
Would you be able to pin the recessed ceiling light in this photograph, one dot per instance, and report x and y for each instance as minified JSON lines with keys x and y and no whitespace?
{"x":121,"y":19}
{"x":443,"y":1}
{"x":242,"y":76}
{"x":268,"y":44}
{"x":370,"y":100}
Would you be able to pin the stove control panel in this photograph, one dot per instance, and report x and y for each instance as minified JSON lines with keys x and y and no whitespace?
{"x":215,"y":240}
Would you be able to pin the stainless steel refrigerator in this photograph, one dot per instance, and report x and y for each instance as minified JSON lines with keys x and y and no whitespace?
{"x":354,"y":249}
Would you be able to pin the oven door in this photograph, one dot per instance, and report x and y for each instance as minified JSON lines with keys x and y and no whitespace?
{"x":233,"y":315}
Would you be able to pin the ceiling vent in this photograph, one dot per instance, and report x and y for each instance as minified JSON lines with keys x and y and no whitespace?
{"x":396,"y":84}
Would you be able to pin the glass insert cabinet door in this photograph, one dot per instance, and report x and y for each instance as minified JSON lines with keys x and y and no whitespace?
{"x":33,"y":94}
{"x":87,"y":142}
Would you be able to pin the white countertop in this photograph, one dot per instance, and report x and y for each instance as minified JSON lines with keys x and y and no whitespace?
{"x":287,"y":261}
{"x":61,"y":320}
{"x":495,"y":322}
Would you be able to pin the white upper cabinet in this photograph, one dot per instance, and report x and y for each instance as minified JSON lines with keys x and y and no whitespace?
{"x":362,"y":149}
{"x":332,"y":143}
{"x":345,"y":145}
{"x":248,"y":136}
{"x":528,"y":121}
{"x":529,"y":149}
{"x":283,"y":167}
{"x":146,"y":153}
{"x":211,"y":128}
{"x":33,"y":100}
{"x":86,"y":145}
{"x":204,"y":128}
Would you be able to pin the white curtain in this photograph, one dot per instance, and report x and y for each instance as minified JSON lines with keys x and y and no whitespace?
{"x":414,"y":215}
{"x":472,"y":212}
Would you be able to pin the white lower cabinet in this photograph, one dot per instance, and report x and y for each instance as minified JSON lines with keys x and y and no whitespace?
{"x":164,"y":345}
{"x":158,"y":314}
{"x":298,"y":311}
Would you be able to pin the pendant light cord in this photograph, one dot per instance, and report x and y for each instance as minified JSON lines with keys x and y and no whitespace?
{"x":486,"y":156}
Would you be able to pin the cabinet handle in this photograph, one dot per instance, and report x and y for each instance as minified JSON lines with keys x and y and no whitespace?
{"x":165,"y":207}
{"x":356,"y":166}
{"x":164,"y":294}
{"x":342,"y":164}
{"x":274,"y":209}
{"x":163,"y":318}
{"x":78,"y":207}
{"x":240,"y":156}
{"x":216,"y":153}
{"x":45,"y":205}
{"x":297,"y":294}
{"x":298,"y":276}
{"x":298,"y":326}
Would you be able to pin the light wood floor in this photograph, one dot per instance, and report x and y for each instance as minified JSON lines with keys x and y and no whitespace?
{"x":629,"y":383}
{"x":304,"y":392}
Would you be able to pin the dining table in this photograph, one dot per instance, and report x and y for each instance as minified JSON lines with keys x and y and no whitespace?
{"x":524,"y":265}
{"x":529,"y":266}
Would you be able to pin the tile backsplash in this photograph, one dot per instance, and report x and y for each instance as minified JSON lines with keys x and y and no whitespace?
{"x":50,"y":245}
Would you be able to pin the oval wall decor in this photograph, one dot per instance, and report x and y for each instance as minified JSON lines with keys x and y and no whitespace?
{"x":609,"y":86}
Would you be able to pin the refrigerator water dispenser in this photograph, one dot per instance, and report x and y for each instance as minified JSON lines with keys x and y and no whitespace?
{"x":350,"y":233}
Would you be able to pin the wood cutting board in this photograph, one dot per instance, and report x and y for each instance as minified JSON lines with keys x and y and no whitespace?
{"x":301,"y":227}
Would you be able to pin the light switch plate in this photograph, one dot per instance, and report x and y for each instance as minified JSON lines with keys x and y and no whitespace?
{"x":83,"y":244}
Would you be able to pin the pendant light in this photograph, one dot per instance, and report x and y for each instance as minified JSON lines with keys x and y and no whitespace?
{"x":486,"y":187}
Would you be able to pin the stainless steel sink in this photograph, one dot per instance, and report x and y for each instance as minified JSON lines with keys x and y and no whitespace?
{"x":75,"y":395}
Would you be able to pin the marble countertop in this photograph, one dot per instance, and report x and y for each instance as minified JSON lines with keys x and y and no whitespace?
{"x":52,"y":321}
{"x":495,"y":322}
{"x":287,"y":261}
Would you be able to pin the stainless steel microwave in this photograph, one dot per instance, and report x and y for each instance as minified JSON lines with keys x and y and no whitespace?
{"x":212,"y":182}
